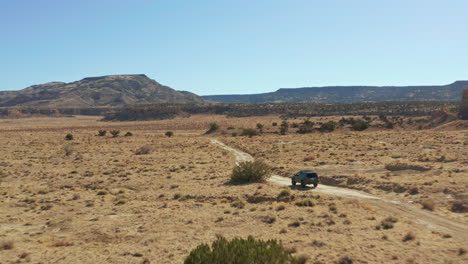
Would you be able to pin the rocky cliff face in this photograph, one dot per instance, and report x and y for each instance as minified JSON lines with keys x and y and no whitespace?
{"x":105,"y":91}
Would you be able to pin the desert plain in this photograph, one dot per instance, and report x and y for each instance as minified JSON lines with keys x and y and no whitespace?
{"x":150,"y":198}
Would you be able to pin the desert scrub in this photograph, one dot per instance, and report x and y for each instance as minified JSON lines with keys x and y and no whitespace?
{"x":6,"y":245}
{"x":387,"y":223}
{"x":68,"y":137}
{"x":428,"y":204}
{"x":128,"y":134}
{"x":169,"y":134}
{"x":213,"y":128}
{"x":102,"y":133}
{"x":115,"y":133}
{"x":251,"y":171}
{"x":397,"y":166}
{"x":143,"y":150}
{"x":241,"y":251}
{"x":239,"y":203}
{"x":305,"y":202}
{"x":249,"y":132}
{"x":284,"y":196}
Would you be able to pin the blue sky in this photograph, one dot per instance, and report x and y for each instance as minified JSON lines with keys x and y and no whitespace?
{"x":242,"y":46}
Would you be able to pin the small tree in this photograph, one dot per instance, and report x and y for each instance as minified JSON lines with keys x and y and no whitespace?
{"x":115,"y":133}
{"x":102,"y":133}
{"x":251,"y":171}
{"x":68,"y":137}
{"x":169,"y":134}
{"x":360,"y":125}
{"x":213,"y":128}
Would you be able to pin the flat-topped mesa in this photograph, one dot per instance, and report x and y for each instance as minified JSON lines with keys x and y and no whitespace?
{"x":115,"y":77}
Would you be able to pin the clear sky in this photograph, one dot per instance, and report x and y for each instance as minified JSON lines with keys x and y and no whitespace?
{"x":235,"y":46}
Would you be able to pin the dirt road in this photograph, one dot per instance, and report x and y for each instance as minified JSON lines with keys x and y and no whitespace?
{"x":398,"y":208}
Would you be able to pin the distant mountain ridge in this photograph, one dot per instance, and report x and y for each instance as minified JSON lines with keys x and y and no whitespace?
{"x":103,"y":91}
{"x":350,"y":94}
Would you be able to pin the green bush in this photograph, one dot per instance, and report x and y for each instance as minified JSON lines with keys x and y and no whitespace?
{"x":69,"y":137}
{"x":213,"y":128}
{"x":329,"y":126}
{"x":128,"y":134}
{"x":360,"y":125}
{"x":241,"y":251}
{"x":306,"y":127}
{"x":251,"y":171}
{"x":169,"y":134}
{"x":102,"y":133}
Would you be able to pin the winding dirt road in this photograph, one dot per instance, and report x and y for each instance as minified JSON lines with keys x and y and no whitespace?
{"x":408,"y":211}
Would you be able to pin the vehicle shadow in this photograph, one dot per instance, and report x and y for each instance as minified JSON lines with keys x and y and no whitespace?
{"x":300,"y":188}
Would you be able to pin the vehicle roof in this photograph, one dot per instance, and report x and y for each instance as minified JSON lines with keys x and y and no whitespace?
{"x":308,"y":171}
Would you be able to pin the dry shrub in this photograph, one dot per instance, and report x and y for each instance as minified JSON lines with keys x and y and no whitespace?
{"x":284,"y":196}
{"x":305,"y":202}
{"x":143,"y":150}
{"x":6,"y":245}
{"x":428,"y":204}
{"x":459,"y":206}
{"x":309,"y":158}
{"x":408,"y":237}
{"x":345,"y":260}
{"x":239,"y":203}
{"x":68,"y":149}
{"x":397,"y":166}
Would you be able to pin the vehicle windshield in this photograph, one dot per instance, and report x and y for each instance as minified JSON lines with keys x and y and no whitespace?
{"x":312,"y":175}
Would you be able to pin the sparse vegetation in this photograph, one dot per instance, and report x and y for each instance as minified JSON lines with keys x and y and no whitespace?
{"x":397,"y":166}
{"x":68,"y":137}
{"x":169,"y":134}
{"x":128,"y":134}
{"x":251,"y":171}
{"x":102,"y":133}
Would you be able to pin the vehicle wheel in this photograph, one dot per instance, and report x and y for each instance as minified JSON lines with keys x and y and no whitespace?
{"x":315,"y":185}
{"x":293,"y":182}
{"x":303,"y":184}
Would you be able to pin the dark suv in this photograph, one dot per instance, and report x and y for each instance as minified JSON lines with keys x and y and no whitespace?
{"x":306,"y":177}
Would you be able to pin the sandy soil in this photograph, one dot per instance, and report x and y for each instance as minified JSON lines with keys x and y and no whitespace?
{"x":93,"y":200}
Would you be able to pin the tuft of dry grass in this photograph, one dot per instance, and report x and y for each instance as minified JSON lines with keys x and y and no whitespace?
{"x":409,"y":236}
{"x":6,"y":245}
{"x":145,"y":149}
{"x":428,"y":204}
